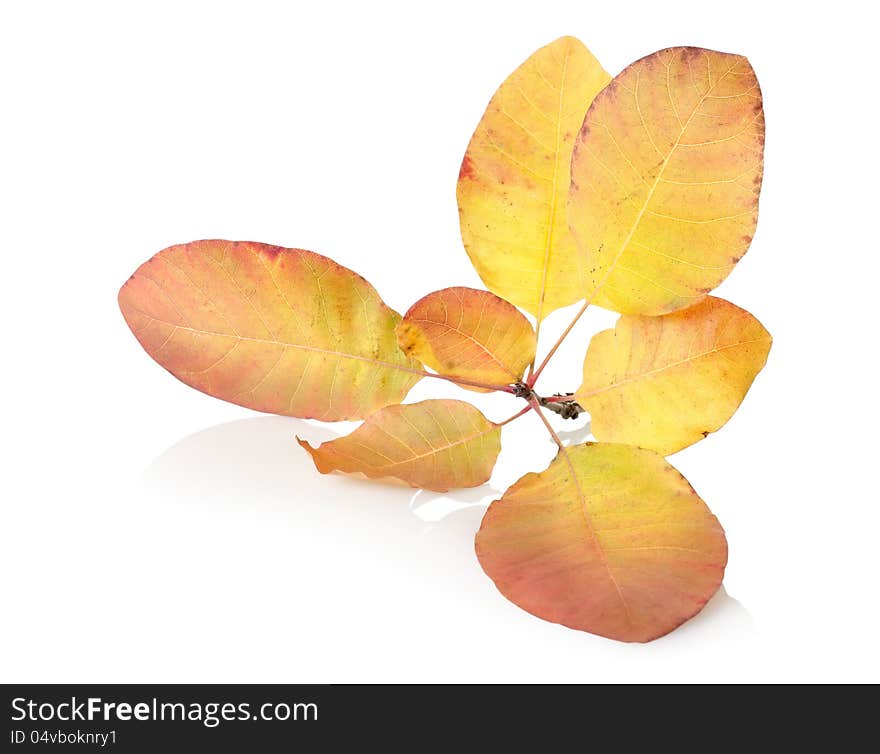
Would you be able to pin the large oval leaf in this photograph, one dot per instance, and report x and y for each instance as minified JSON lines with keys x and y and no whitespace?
{"x":285,"y":331}
{"x":514,"y":179}
{"x":469,"y":333}
{"x":609,"y":539}
{"x":665,"y":179}
{"x":665,"y":382}
{"x":435,"y":444}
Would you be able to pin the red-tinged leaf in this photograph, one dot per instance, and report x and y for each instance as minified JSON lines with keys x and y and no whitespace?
{"x":610,"y":539}
{"x":435,"y":444}
{"x":285,"y":331}
{"x":469,"y":333}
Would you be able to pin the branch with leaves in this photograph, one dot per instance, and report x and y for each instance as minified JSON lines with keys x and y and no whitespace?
{"x":638,"y":194}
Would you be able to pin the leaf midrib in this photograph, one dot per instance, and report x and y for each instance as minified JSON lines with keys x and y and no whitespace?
{"x":393,"y":464}
{"x":282,"y":343}
{"x":594,"y":536}
{"x":434,"y":323}
{"x":551,"y":222}
{"x":657,"y":179}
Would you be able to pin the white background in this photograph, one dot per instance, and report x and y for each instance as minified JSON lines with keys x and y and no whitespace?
{"x":151,"y":533}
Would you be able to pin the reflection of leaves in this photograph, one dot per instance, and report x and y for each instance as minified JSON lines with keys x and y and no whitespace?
{"x":576,"y":436}
{"x":640,"y":195}
{"x":434,"y":507}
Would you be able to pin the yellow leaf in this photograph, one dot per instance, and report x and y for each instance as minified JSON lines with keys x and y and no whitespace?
{"x":285,"y":331}
{"x":609,"y":539}
{"x":435,"y":444}
{"x":469,"y":333}
{"x":665,"y":179}
{"x":515,"y":175}
{"x":666,"y":382}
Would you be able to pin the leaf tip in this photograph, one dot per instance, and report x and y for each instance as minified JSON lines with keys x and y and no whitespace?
{"x":567,"y":40}
{"x":313,"y":453}
{"x":304,"y":444}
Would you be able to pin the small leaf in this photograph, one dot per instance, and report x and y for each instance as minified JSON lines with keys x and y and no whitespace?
{"x":666,"y":382}
{"x":435,"y":444}
{"x":609,"y":539}
{"x":284,"y":331}
{"x":514,"y":179}
{"x":665,"y":179}
{"x":464,"y":332}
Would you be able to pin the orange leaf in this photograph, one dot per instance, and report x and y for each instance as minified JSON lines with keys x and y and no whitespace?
{"x":468,"y":333}
{"x":280,"y":330}
{"x":610,"y":539}
{"x":666,"y":382}
{"x":514,"y":179}
{"x":665,"y":176}
{"x":435,"y":444}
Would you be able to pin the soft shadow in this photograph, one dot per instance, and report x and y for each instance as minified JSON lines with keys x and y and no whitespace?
{"x":575,"y":436}
{"x":723,"y":617}
{"x":436,"y":506}
{"x":253,"y":472}
{"x":252,"y":476}
{"x":253,"y":460}
{"x":258,"y":460}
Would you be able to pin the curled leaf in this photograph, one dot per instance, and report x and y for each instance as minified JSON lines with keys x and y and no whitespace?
{"x":435,"y":444}
{"x":609,"y":539}
{"x":285,"y":331}
{"x":666,"y":382}
{"x":515,"y":175}
{"x":464,"y":332}
{"x":665,"y":179}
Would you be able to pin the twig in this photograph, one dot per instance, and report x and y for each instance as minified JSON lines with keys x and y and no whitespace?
{"x":462,"y":381}
{"x":517,"y":415}
{"x":533,"y":377}
{"x":537,"y":407}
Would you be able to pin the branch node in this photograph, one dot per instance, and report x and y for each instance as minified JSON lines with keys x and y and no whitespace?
{"x":567,"y":409}
{"x":521,"y":390}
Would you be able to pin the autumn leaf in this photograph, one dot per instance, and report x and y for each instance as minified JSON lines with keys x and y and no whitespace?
{"x":514,"y":179}
{"x":639,"y":195}
{"x":436,"y":444}
{"x":610,"y":539}
{"x":665,"y":174}
{"x":285,"y":331}
{"x":468,"y":333}
{"x":666,"y":382}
